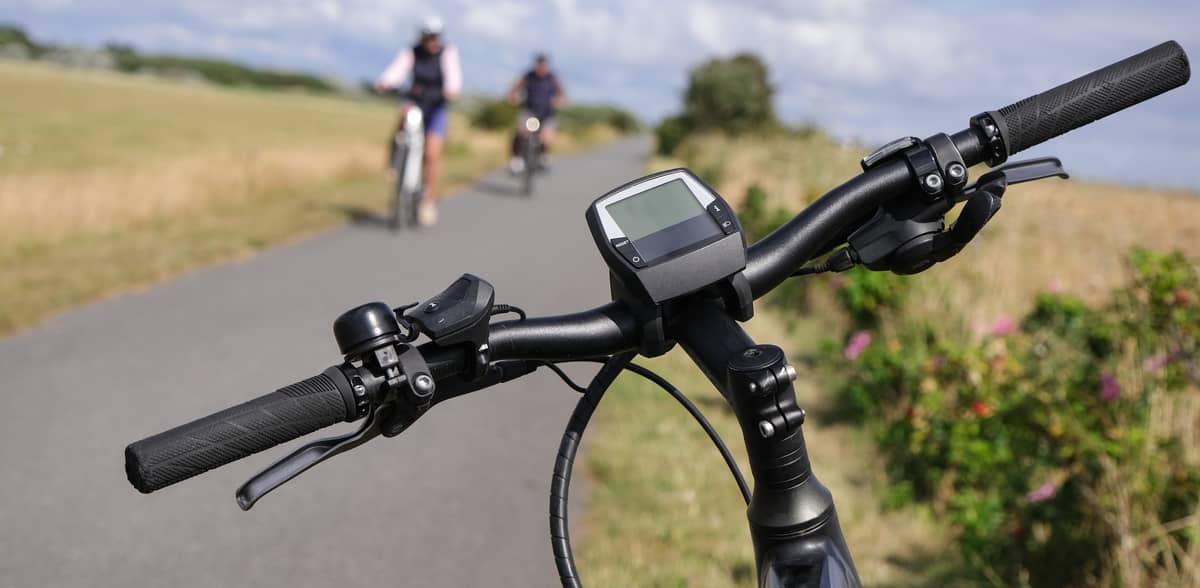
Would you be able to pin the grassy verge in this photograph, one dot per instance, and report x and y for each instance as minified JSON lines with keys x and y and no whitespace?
{"x":111,"y":181}
{"x":662,"y":510}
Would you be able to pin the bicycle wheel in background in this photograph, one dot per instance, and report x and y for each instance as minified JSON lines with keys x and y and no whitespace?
{"x":531,"y":163}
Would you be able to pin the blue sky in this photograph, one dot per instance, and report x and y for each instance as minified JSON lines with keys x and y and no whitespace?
{"x":870,"y":70}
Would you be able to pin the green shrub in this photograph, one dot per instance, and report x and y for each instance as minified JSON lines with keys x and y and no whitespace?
{"x":669,"y":134}
{"x":758,"y":219}
{"x":731,"y":95}
{"x":1060,"y":448}
{"x":493,"y":114}
{"x":13,"y":35}
{"x":867,"y":296}
{"x":577,"y":117}
{"x":216,"y":71}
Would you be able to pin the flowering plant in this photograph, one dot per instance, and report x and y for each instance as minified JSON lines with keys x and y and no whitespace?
{"x":1063,"y":448}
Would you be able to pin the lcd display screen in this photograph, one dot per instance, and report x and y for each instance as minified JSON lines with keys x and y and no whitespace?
{"x":663,"y":219}
{"x":655,"y":209}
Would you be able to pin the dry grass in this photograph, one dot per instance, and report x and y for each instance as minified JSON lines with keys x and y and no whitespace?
{"x":1069,"y":236}
{"x":663,"y":510}
{"x":110,"y":181}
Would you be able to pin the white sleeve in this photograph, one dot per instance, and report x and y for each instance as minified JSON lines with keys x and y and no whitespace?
{"x":452,"y":72}
{"x":397,"y":71}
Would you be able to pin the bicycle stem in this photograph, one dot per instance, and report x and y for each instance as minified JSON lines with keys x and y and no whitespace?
{"x":791,"y":515}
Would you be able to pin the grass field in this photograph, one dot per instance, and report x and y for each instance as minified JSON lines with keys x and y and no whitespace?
{"x":112,"y":181}
{"x":663,"y":510}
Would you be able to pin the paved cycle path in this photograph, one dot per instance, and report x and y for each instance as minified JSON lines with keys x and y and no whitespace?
{"x":458,"y":500}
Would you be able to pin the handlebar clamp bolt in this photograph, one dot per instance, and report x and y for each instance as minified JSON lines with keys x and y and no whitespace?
{"x":956,"y":171}
{"x":789,"y":372}
{"x":423,"y":385}
{"x":933,"y":182}
{"x":766,"y":429}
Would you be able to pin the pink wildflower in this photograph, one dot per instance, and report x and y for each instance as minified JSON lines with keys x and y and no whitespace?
{"x":857,"y":344}
{"x":1003,"y":326}
{"x":1041,"y":493}
{"x":1155,"y":363}
{"x":1110,"y":390}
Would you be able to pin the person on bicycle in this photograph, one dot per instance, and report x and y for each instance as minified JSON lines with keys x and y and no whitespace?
{"x":540,"y":94}
{"x":436,"y":80}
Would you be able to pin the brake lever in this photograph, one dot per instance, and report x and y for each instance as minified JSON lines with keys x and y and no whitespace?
{"x":299,"y":461}
{"x":1017,"y":172}
{"x":387,"y":419}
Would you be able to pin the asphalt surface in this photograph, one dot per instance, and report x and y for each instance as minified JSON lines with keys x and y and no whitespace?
{"x":458,"y":500}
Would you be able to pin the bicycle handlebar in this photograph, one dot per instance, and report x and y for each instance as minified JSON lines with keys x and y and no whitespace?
{"x":239,"y":431}
{"x":296,"y":410}
{"x":1088,"y":98}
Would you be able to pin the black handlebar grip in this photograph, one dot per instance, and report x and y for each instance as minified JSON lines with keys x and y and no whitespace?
{"x":1094,"y":96}
{"x":236,"y":432}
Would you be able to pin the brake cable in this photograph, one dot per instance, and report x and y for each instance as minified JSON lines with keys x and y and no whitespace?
{"x":564,"y":557}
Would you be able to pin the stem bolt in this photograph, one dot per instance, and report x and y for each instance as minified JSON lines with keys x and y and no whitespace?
{"x":766,"y":429}
{"x":956,"y":171}
{"x":933,"y":181}
{"x":423,"y":385}
{"x":789,"y":372}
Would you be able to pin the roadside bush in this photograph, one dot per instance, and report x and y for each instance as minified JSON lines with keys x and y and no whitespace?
{"x":493,"y":114}
{"x":1063,"y":448}
{"x":758,"y":219}
{"x":670,"y":133}
{"x":867,"y":296}
{"x":577,"y":117}
{"x":731,"y":95}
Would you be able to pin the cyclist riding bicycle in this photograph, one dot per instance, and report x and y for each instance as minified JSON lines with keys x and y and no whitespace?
{"x":436,"y":80}
{"x":540,"y":94}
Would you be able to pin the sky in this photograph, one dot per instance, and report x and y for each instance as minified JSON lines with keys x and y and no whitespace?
{"x":865,"y":70}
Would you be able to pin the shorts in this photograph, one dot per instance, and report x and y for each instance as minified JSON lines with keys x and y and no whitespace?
{"x":437,"y":118}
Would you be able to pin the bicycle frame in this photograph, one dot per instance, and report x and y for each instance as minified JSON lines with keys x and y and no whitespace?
{"x":414,"y":154}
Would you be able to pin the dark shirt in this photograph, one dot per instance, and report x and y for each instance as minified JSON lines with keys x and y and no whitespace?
{"x":539,"y":94}
{"x":427,"y":79}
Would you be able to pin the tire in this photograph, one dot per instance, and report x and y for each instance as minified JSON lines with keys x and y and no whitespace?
{"x":531,"y":163}
{"x":403,"y":210}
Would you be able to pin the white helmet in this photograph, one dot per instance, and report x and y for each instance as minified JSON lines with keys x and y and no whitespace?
{"x":432,"y":26}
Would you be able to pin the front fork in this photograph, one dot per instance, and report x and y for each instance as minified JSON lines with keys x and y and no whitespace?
{"x":793,"y":523}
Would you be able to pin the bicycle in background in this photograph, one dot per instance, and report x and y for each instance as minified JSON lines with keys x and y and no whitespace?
{"x":407,"y":164}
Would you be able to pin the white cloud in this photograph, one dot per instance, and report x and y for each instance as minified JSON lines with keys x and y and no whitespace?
{"x":501,"y":20}
{"x":865,"y":68}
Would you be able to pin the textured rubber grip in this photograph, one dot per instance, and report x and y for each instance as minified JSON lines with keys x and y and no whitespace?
{"x":1094,"y":96}
{"x":215,"y":440}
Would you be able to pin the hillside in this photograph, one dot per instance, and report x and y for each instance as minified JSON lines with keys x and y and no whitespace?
{"x":111,"y":181}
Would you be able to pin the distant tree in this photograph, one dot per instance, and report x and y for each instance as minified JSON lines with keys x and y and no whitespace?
{"x":733,"y":95}
{"x":14,"y":35}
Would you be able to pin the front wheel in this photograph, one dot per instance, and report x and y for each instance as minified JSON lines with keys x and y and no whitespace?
{"x":403,"y":210}
{"x":532,"y":147}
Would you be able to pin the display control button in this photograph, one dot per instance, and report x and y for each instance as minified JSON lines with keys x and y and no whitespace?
{"x":628,"y":251}
{"x":723,"y":217}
